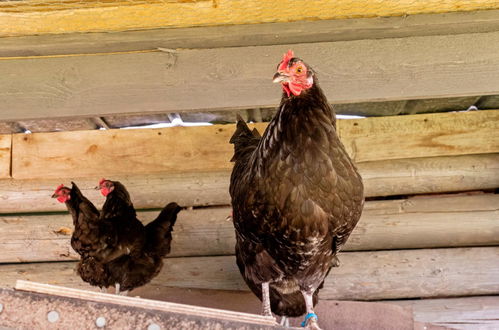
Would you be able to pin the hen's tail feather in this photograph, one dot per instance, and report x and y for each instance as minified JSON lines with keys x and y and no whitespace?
{"x":244,"y":140}
{"x":159,"y":231}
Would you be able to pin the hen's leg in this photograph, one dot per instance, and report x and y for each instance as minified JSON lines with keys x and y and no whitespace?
{"x":311,"y":318}
{"x":284,"y":321}
{"x":117,"y":286}
{"x":266,"y":299}
{"x":103,"y":290}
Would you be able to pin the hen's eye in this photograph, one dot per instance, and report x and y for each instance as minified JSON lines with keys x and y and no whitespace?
{"x":299,"y":69}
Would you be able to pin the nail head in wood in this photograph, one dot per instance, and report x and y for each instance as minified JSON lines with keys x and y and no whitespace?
{"x":53,"y":316}
{"x":100,"y":322}
{"x":153,"y":326}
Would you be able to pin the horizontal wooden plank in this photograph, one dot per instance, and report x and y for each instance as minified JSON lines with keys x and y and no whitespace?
{"x":83,"y":309}
{"x":467,"y":313}
{"x":384,"y":315}
{"x":185,"y":310}
{"x":254,"y":34}
{"x":450,"y":221}
{"x":362,"y":275}
{"x":185,"y":149}
{"x":192,"y":79}
{"x":383,"y":178}
{"x":147,"y":191}
{"x":33,"y":17}
{"x":5,"y":155}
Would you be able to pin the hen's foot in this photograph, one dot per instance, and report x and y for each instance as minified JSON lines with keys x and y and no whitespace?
{"x":310,"y":322}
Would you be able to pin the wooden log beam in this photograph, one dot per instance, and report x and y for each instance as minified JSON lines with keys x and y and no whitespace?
{"x":33,"y":17}
{"x":5,"y":155}
{"x":422,"y":222}
{"x":114,"y":152}
{"x":383,"y":178}
{"x":196,"y":80}
{"x":471,"y":313}
{"x":377,"y":275}
{"x":65,"y":308}
{"x":264,"y":34}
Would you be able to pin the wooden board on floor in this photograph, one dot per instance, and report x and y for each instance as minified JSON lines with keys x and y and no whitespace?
{"x":188,"y":149}
{"x":82,"y":309}
{"x":33,"y":17}
{"x":423,"y":222}
{"x":254,"y":34}
{"x":467,"y":313}
{"x":197,"y":80}
{"x":383,"y":178}
{"x":377,"y":275}
{"x":5,"y":155}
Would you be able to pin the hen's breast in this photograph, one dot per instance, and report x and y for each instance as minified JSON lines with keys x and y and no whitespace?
{"x":311,"y":194}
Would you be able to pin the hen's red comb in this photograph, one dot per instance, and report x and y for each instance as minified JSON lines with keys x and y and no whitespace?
{"x":285,"y":59}
{"x":102,"y":181}
{"x":59,"y":187}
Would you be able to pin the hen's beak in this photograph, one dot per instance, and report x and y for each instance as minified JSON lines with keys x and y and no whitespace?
{"x":55,"y":196}
{"x":280,"y":77}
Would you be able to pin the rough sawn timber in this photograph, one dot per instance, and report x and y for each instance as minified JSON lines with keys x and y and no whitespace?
{"x":35,"y":17}
{"x":467,"y":313}
{"x":420,"y":222}
{"x":383,"y":178}
{"x":394,"y":274}
{"x":188,"y":149}
{"x":197,"y":80}
{"x":254,"y":34}
{"x":81,"y":309}
{"x":5,"y":155}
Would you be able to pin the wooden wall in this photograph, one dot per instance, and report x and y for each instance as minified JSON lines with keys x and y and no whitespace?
{"x":29,"y":17}
{"x":409,"y":247}
{"x":430,"y":228}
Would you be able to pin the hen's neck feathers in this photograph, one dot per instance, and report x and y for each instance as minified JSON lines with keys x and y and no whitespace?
{"x":296,"y":117}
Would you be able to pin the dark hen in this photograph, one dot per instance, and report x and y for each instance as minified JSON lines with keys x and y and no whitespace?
{"x":115,"y":248}
{"x":132,"y":271}
{"x":91,"y":237}
{"x":118,"y":210}
{"x":296,"y":196}
{"x":142,"y":248}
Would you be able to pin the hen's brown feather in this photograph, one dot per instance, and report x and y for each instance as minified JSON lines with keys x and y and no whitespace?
{"x":296,"y":197}
{"x":114,"y":245}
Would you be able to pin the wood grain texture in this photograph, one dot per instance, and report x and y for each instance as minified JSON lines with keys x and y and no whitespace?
{"x":28,"y":310}
{"x":33,"y":17}
{"x":450,"y":221}
{"x":53,"y":290}
{"x":383,"y":178}
{"x":362,"y":275}
{"x":198,"y":80}
{"x":467,"y":313}
{"x":188,"y":149}
{"x":5,"y":155}
{"x":254,"y":34}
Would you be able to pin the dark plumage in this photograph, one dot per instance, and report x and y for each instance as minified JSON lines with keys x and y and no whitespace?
{"x":132,"y":271}
{"x":296,"y":195}
{"x":115,"y":248}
